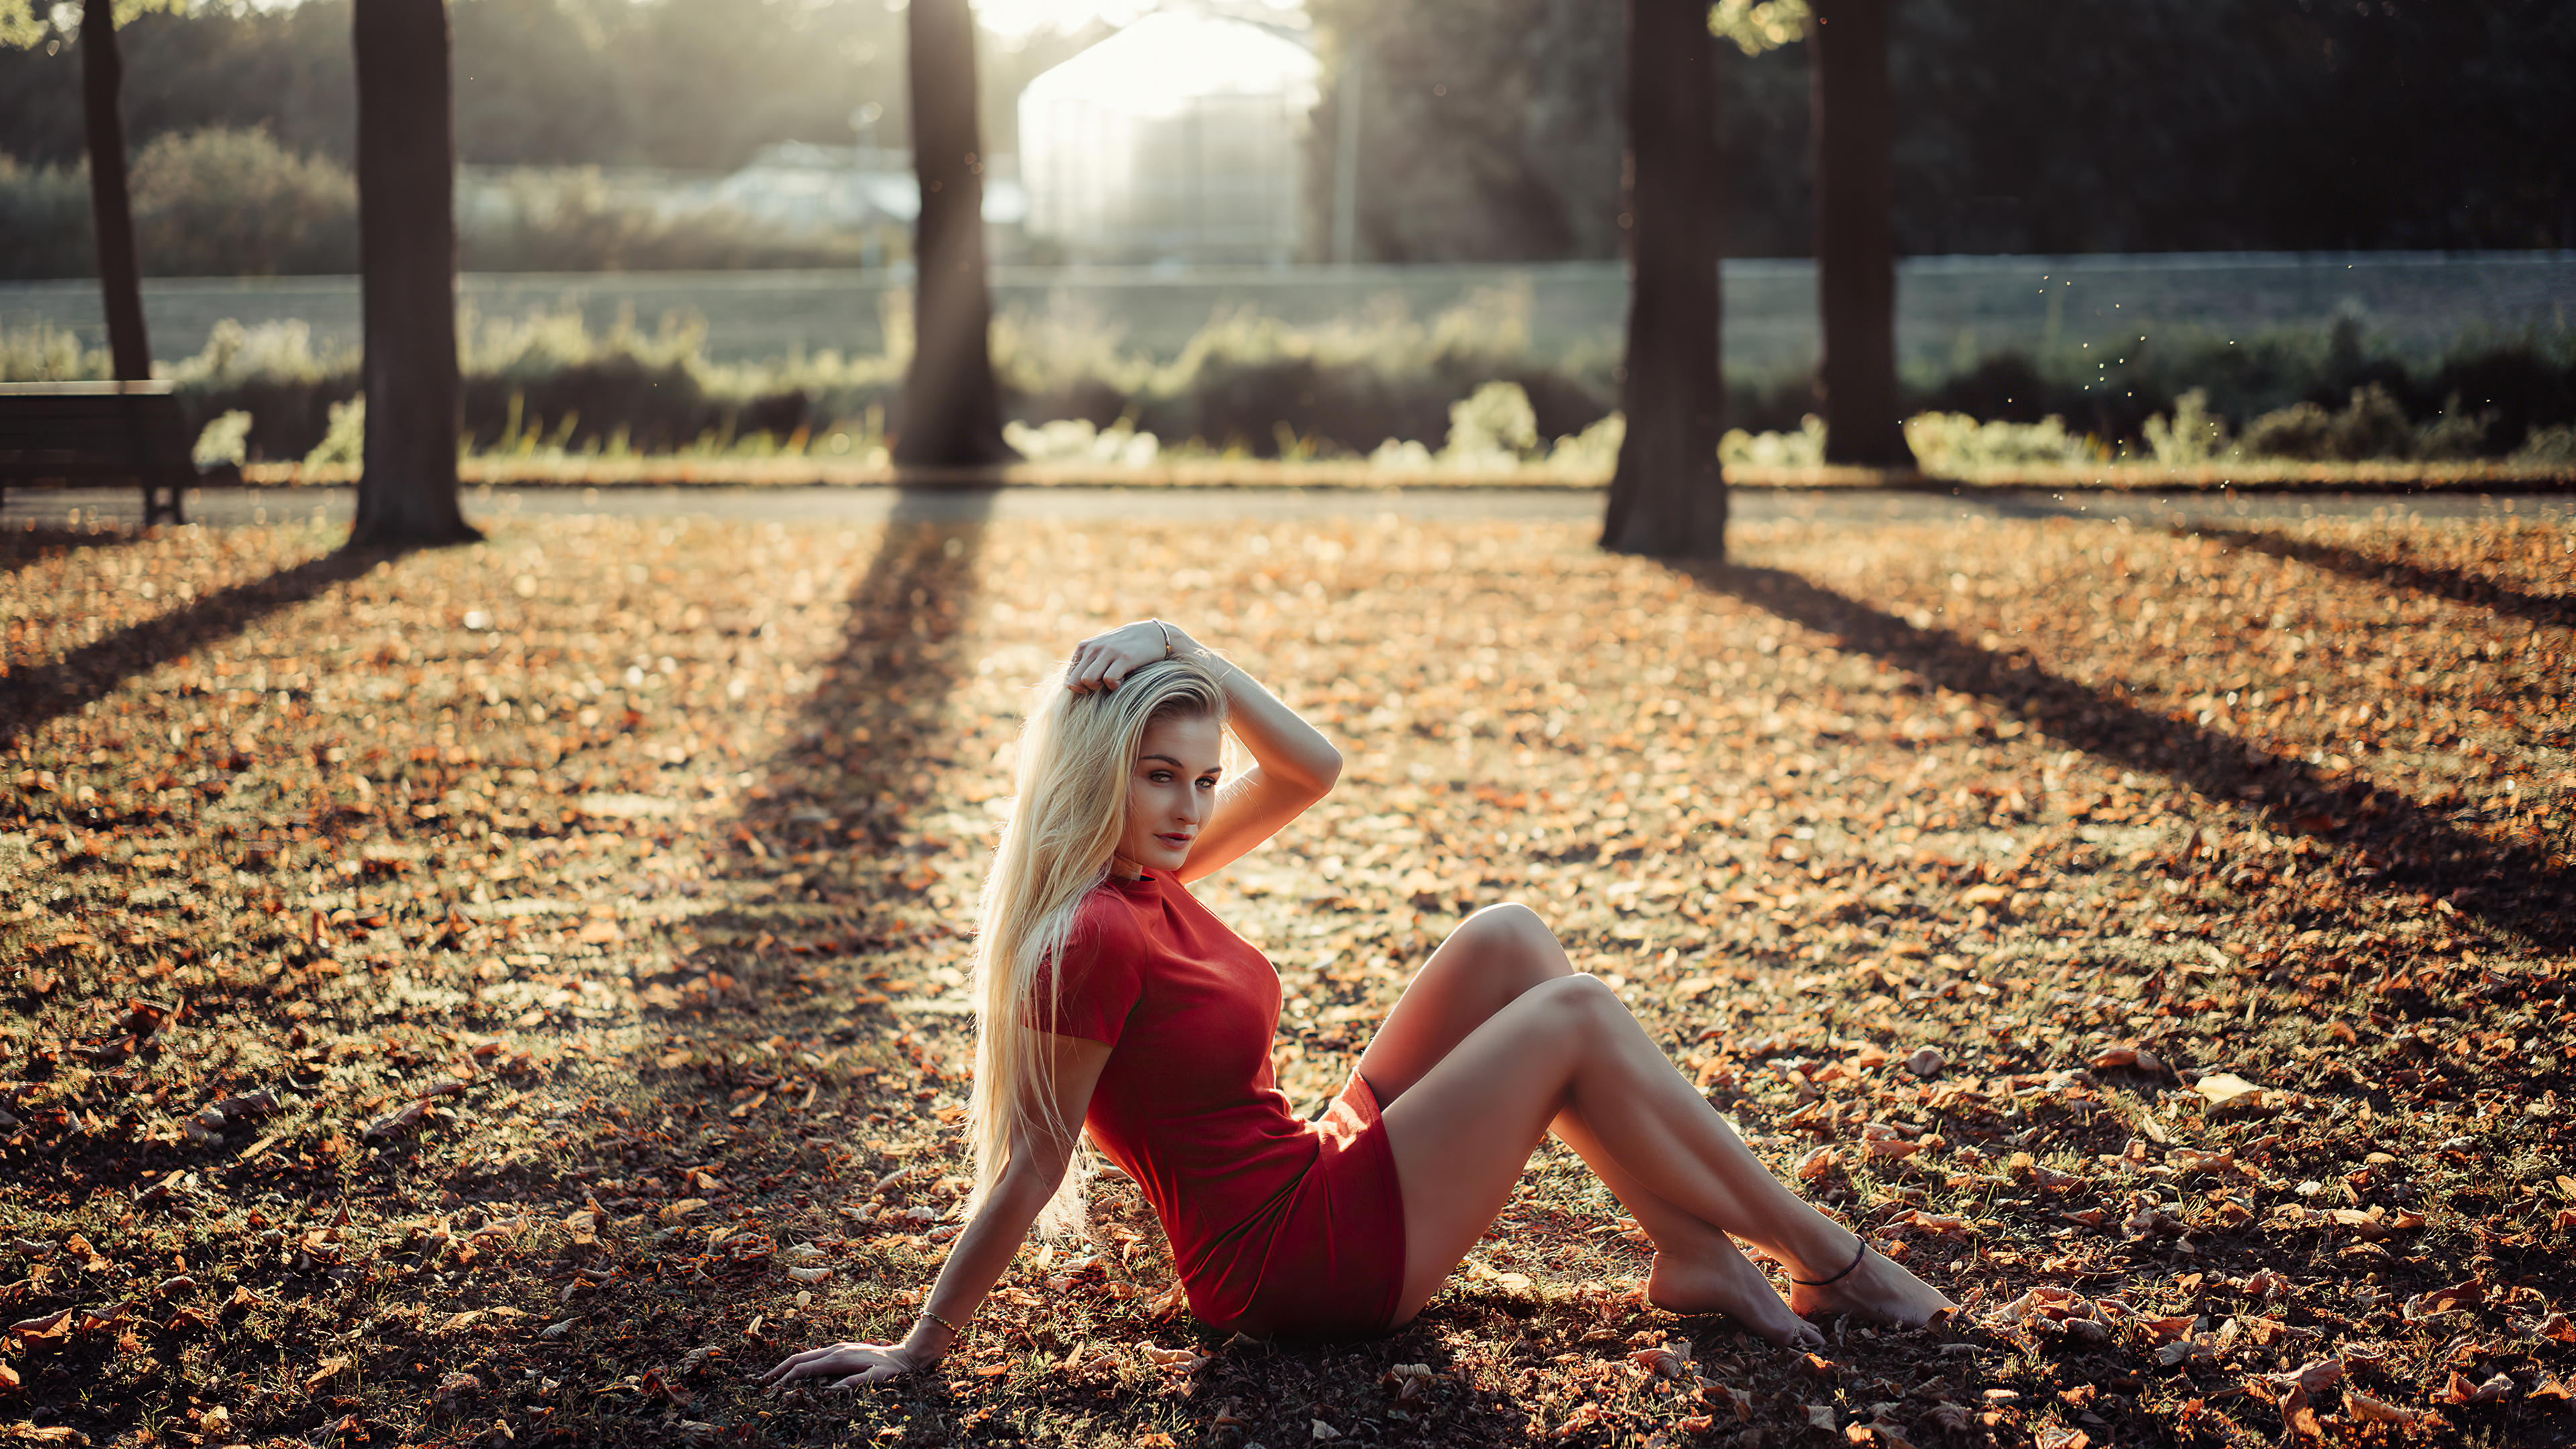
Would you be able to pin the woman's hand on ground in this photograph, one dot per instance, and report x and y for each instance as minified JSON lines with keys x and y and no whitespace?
{"x":849,"y":1365}
{"x":1104,"y":661}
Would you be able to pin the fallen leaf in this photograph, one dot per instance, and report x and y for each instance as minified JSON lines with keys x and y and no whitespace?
{"x":2460,"y":1391}
{"x":2377,"y":1411}
{"x":2166,"y":1329}
{"x":1406,"y":1381}
{"x":1668,"y":1361}
{"x":2316,"y":1377}
{"x":54,"y":1325}
{"x":397,"y":1122}
{"x":324,"y":1372}
{"x":2221,"y":1088}
{"x":2456,"y":1298}
{"x":1176,"y":1360}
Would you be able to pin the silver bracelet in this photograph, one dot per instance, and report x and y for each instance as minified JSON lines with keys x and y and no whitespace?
{"x":942,"y":1322}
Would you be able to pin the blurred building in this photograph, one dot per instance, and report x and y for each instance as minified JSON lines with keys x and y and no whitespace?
{"x":1178,"y":138}
{"x":797,"y":186}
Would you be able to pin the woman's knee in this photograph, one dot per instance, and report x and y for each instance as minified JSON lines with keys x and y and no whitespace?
{"x":1581,"y":998}
{"x":1510,"y":926}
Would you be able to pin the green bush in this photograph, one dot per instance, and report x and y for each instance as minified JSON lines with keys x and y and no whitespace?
{"x":1494,"y":424}
{"x":45,"y":228}
{"x":568,"y":219}
{"x":1948,"y":442}
{"x":2194,"y":435}
{"x":224,"y":439}
{"x":344,"y":443}
{"x":1251,"y":385}
{"x":223,"y":202}
{"x":47,"y":353}
{"x":272,"y":372}
{"x":2371,"y":425}
{"x":2549,"y":445}
{"x":2479,"y":398}
{"x":227,"y":202}
{"x":1775,"y":448}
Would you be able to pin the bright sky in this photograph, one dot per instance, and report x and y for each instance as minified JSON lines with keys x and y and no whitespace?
{"x":1010,"y":19}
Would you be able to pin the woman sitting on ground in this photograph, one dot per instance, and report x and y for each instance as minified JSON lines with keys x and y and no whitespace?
{"x":1110,"y":998}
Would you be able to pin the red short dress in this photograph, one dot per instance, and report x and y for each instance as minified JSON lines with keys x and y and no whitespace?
{"x":1277,"y":1225}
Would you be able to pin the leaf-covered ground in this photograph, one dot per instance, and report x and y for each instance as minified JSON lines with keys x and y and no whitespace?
{"x":507,"y":994}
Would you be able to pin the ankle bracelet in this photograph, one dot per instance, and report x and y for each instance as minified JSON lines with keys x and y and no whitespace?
{"x":1838,"y":1277}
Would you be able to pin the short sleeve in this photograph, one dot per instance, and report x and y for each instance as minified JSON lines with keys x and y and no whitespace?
{"x":1100,"y":976}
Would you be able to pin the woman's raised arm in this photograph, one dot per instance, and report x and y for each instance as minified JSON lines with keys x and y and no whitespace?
{"x":984,"y":1250}
{"x":1295,"y":765}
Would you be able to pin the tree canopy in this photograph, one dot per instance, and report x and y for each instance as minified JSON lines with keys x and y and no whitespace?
{"x":2021,"y":125}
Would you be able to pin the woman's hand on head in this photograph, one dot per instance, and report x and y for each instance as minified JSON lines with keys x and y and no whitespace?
{"x":851,"y":1365}
{"x":1104,"y":661}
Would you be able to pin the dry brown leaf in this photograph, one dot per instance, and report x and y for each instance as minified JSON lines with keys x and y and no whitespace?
{"x":2457,"y":1297}
{"x":2222,"y":1088}
{"x":324,"y":1372}
{"x":397,"y":1122}
{"x":1170,"y":1360}
{"x":52,"y":1325}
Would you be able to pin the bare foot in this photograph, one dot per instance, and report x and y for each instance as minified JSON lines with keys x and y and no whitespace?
{"x":1878,"y":1288}
{"x":1724,"y":1281}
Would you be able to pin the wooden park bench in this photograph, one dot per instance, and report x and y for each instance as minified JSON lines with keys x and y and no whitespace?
{"x":101,"y":432}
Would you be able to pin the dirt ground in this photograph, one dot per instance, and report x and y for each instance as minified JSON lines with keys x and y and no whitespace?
{"x":512,"y":993}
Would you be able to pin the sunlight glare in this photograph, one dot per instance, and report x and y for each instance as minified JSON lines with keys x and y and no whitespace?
{"x":1020,"y":20}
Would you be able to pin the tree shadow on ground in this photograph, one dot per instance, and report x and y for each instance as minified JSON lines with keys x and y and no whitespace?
{"x":93,"y":671}
{"x":875,"y":725}
{"x":2512,"y":888}
{"x":853,"y":773}
{"x":2458,"y":585}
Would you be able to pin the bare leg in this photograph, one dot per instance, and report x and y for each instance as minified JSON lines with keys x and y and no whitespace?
{"x":1489,"y":961}
{"x":1463,"y":1130}
{"x":1697,"y":1268}
{"x":1494,"y":956}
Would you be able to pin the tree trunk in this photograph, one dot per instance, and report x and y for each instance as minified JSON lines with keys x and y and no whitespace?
{"x":120,"y":278}
{"x":1855,"y":240}
{"x":952,"y":411}
{"x":407,"y":260}
{"x":1667,"y":497}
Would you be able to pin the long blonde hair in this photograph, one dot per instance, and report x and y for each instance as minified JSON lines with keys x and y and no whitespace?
{"x":1076,"y":754}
